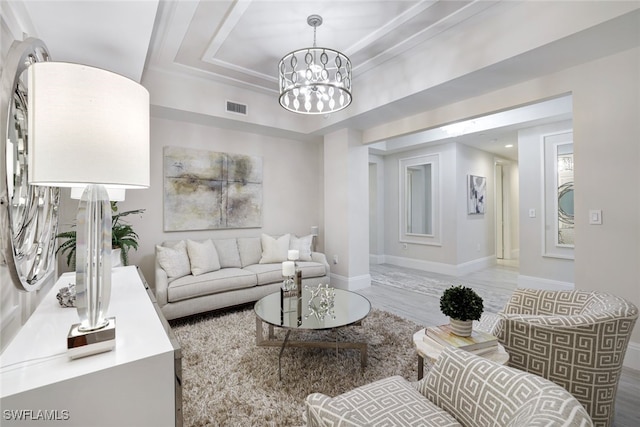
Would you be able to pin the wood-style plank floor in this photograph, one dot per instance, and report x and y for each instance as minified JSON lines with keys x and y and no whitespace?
{"x":424,"y":309}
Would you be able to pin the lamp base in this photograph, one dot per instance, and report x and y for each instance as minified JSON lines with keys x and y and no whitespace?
{"x":81,"y":344}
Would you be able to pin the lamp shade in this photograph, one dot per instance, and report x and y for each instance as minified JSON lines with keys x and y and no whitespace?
{"x":87,"y":126}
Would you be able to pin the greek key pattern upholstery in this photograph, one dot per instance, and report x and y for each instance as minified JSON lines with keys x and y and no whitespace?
{"x":461,"y":389}
{"x":478,"y":392}
{"x":576,"y":339}
{"x":388,"y":402}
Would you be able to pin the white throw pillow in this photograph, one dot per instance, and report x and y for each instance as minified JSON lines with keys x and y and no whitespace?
{"x":303,"y":245}
{"x":202,"y":256}
{"x":274,"y":250}
{"x":175,"y":260}
{"x":250,"y":250}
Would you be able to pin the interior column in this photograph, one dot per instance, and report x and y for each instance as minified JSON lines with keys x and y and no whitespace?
{"x":346,"y":209}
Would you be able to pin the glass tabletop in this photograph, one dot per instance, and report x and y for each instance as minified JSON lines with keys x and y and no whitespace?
{"x":349,"y":308}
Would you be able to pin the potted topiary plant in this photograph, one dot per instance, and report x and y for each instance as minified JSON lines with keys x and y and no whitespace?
{"x":463,"y":305}
{"x":123,"y":238}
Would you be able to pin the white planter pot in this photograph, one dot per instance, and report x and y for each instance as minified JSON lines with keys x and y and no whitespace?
{"x":462,"y":328}
{"x":115,"y":258}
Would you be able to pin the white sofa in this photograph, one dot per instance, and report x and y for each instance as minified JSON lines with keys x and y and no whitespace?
{"x":461,"y":389}
{"x":196,"y":276}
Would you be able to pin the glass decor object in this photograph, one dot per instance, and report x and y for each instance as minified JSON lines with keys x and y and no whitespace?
{"x":28,"y":214}
{"x":321,"y":302}
{"x":89,"y":128}
{"x":564,"y":183}
{"x":315,"y":80}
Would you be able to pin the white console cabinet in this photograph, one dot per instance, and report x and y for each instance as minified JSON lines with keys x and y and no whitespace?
{"x":136,"y":384}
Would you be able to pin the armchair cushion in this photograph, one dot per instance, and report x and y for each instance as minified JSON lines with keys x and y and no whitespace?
{"x":387,"y":402}
{"x":478,"y":392}
{"x":577,"y":339}
{"x":462,"y":389}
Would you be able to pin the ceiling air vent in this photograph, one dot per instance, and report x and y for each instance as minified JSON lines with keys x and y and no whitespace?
{"x":236,"y":108}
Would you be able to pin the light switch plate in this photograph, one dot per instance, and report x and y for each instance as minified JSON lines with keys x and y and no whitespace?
{"x":595,"y":217}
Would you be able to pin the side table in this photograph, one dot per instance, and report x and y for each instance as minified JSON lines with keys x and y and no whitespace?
{"x":430,"y":349}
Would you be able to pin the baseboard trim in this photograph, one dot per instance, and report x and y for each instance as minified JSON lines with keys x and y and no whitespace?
{"x":350,"y":283}
{"x":542,"y":283}
{"x":475,"y":265}
{"x":376,"y":259}
{"x":441,"y":268}
{"x":632,"y":356}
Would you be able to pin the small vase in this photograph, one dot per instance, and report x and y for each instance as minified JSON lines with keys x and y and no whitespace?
{"x":116,"y":261}
{"x":461,"y":328}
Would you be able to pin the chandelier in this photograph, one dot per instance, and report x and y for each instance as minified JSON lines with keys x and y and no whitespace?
{"x":315,"y":80}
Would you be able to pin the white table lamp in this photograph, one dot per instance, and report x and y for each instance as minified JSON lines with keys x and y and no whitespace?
{"x":88,"y":128}
{"x":115,"y":194}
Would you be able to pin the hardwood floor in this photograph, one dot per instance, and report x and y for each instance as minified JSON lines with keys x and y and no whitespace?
{"x":424,"y":309}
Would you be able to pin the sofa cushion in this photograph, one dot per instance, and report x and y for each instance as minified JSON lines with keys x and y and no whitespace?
{"x":266,"y":273}
{"x":274,"y":250}
{"x":390,"y":402}
{"x":203,"y":257}
{"x":174,"y":260}
{"x":225,"y":279}
{"x":228,"y":253}
{"x":272,"y":273}
{"x":250,"y":250}
{"x":312,"y":269}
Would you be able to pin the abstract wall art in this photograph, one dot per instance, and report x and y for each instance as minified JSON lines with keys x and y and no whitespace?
{"x":476,"y":194}
{"x":208,"y":190}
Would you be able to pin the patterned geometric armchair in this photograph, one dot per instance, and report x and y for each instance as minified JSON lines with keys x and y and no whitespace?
{"x":576,"y":339}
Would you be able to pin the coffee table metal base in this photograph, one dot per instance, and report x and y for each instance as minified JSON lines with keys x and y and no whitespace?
{"x":272,"y":341}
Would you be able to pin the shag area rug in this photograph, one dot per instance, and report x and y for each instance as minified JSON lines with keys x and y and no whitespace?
{"x":228,"y":381}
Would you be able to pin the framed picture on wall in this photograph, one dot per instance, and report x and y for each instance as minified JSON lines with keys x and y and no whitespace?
{"x":476,"y":194}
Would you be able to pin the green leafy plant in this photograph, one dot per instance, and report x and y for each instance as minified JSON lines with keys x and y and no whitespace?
{"x":462,"y":303}
{"x":122,"y":237}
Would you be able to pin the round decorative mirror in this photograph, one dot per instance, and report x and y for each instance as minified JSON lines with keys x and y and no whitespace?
{"x":28,"y":214}
{"x":565,"y":203}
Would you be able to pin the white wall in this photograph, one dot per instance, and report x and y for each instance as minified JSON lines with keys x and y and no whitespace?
{"x":512,"y":203}
{"x":476,"y":233}
{"x":467,"y":241}
{"x":606,"y":107}
{"x":373,"y":208}
{"x":292,"y":186}
{"x":347,"y":208}
{"x":533,"y":262}
{"x":395,"y":251}
{"x":376,"y":206}
{"x":606,"y":124}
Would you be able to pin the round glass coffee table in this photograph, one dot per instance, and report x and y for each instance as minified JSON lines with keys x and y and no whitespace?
{"x":292,"y":313}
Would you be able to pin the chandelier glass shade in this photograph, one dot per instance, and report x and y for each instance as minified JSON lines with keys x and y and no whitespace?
{"x":315,"y":80}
